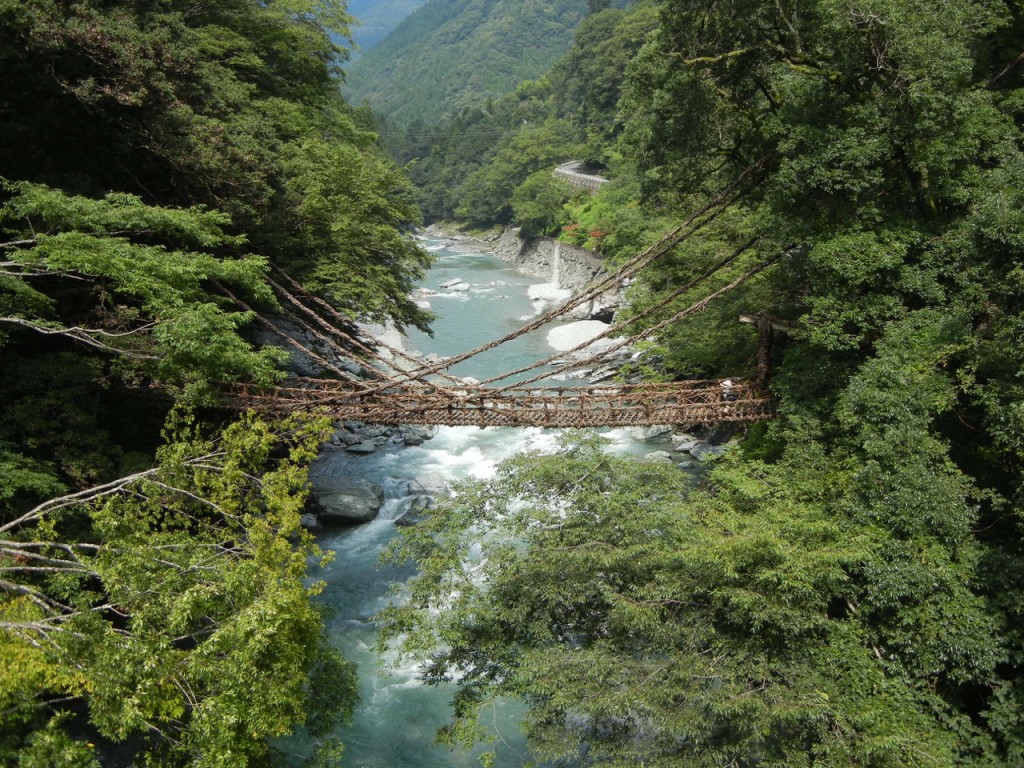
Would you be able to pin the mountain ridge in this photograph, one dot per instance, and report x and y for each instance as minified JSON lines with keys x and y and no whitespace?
{"x":376,"y":19}
{"x":449,"y":54}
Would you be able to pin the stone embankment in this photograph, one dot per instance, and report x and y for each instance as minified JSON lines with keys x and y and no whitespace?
{"x":567,"y":266}
{"x":564,"y":266}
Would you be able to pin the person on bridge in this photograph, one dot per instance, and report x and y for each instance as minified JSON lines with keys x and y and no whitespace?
{"x":728,"y":392}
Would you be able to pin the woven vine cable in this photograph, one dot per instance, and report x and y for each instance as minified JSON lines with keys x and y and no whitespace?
{"x":693,"y":224}
{"x":346,"y":335}
{"x":333,"y":345}
{"x":364,"y":364}
{"x":630,"y":268}
{"x":288,"y":339}
{"x":690,"y":310}
{"x":618,"y":327}
{"x":398,"y":353}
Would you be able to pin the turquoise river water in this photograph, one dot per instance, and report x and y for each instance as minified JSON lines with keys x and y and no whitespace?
{"x":397,"y":716}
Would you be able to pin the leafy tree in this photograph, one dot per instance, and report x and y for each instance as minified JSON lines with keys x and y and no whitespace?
{"x":216,"y":106}
{"x":645,"y":622}
{"x":160,"y":318}
{"x":449,"y":55}
{"x":156,"y":159}
{"x":537,"y":203}
{"x":487,"y":193}
{"x":172,"y":603}
{"x":857,"y":600}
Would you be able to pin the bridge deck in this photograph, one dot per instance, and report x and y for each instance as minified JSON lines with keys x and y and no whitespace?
{"x":691,"y":403}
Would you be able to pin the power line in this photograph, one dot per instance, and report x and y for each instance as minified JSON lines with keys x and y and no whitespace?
{"x":467,"y":134}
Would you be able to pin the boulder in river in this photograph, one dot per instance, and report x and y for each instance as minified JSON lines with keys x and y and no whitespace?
{"x":366,"y":446}
{"x":570,"y":335}
{"x":705,"y":452}
{"x":432,"y":485}
{"x":685,"y":443}
{"x":414,"y":434}
{"x":416,"y":508}
{"x":347,"y":501}
{"x":653,"y":432}
{"x":657,"y":457}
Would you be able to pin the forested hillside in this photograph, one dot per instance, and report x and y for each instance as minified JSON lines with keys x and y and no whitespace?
{"x":451,"y":53}
{"x":374,"y":19}
{"x":845,"y":587}
{"x":491,"y":162}
{"x":156,"y":161}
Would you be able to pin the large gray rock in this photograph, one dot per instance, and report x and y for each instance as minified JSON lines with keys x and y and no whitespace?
{"x":298,"y":362}
{"x":364,"y":447}
{"x":685,"y":443}
{"x":571,"y":335}
{"x":657,"y":457}
{"x":416,"y":508}
{"x":431,"y":485}
{"x":413,"y":434}
{"x":347,"y":501}
{"x":705,"y":452}
{"x":654,"y":432}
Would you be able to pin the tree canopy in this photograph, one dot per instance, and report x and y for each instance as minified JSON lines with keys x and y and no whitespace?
{"x":157,"y":160}
{"x":844,"y":589}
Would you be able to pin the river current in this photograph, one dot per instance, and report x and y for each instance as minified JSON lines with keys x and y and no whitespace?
{"x":397,"y":716}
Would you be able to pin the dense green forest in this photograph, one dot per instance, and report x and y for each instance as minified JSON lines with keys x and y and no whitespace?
{"x":845,"y":586}
{"x":491,"y":163}
{"x":156,"y":160}
{"x":449,"y":54}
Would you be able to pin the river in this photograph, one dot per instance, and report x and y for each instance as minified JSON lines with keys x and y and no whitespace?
{"x":397,"y":716}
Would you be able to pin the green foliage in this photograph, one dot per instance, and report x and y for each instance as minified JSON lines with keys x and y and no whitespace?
{"x":856,"y":601}
{"x":645,"y":622}
{"x":224,"y":107}
{"x":174,"y":605}
{"x":51,"y":747}
{"x":349,"y":206}
{"x":473,"y":163}
{"x":111,"y":243}
{"x":156,"y":159}
{"x":446,"y":56}
{"x":487,"y":194}
{"x":537,"y":203}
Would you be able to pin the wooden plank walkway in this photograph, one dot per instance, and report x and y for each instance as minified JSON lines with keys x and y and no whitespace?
{"x":685,"y":403}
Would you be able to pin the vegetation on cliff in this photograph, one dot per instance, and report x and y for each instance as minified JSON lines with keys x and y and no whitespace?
{"x":156,"y":161}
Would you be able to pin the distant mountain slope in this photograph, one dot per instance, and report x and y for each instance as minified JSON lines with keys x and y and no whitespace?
{"x":451,"y":53}
{"x":377,"y":18}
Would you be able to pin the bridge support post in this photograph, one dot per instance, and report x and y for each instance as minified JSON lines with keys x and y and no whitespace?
{"x":764,"y":350}
{"x":765,"y":328}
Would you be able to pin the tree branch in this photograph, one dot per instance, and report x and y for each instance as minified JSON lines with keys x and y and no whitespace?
{"x":1009,"y":67}
{"x":91,"y":494}
{"x":85,"y":335}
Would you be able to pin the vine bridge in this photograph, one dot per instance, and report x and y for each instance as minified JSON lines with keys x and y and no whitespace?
{"x":373,"y":382}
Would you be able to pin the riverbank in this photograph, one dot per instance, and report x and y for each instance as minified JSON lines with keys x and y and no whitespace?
{"x":565,"y":268}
